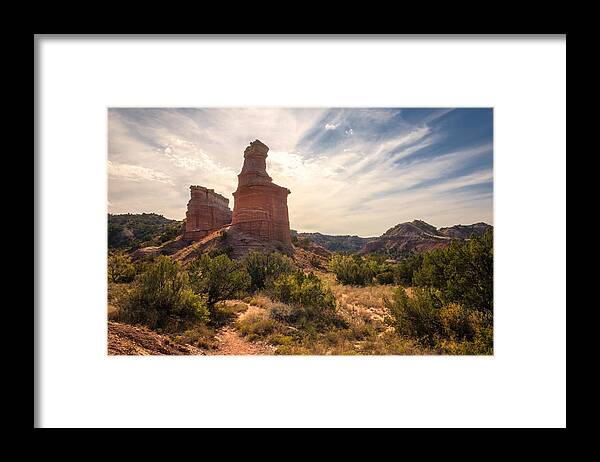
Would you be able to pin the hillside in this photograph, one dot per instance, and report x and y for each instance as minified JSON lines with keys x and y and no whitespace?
{"x":418,"y":236}
{"x":131,"y":231}
{"x":464,"y":231}
{"x":154,"y":234}
{"x":344,"y":243}
{"x":402,"y":240}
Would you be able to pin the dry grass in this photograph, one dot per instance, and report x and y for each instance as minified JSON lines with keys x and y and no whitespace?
{"x":116,"y":292}
{"x":365,"y":332}
{"x":359,"y":302}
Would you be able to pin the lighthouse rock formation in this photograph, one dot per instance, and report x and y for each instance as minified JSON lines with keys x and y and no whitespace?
{"x":260,"y":206}
{"x":260,"y":214}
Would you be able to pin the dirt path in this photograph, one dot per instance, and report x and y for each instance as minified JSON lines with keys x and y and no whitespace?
{"x":231,"y":342}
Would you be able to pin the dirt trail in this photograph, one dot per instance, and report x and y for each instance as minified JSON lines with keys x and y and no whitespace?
{"x":231,"y":341}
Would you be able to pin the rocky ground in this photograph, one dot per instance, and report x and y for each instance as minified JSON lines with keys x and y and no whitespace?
{"x":124,"y":339}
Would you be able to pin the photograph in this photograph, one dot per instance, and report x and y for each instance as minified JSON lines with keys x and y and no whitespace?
{"x":300,"y":231}
{"x":294,"y":231}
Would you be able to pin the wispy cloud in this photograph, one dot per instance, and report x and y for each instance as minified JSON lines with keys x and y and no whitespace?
{"x":356,"y":171}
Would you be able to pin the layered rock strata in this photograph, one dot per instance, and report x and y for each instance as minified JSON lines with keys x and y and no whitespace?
{"x":260,"y":206}
{"x":207,"y":211}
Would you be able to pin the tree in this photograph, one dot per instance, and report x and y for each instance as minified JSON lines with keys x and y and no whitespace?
{"x":219,"y":278}
{"x":120,"y":268}
{"x":264,"y":268}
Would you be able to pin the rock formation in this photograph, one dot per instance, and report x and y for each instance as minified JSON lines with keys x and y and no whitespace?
{"x":206,"y":212}
{"x":260,"y":206}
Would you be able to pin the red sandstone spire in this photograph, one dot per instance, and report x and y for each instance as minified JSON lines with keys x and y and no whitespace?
{"x":254,"y":170}
{"x":260,"y":207}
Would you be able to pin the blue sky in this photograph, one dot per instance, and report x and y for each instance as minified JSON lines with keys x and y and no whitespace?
{"x":350,"y":170}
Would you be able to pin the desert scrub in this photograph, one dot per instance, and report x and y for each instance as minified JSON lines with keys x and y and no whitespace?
{"x":416,"y":316}
{"x":200,"y":336}
{"x":162,"y":297}
{"x":256,"y":326}
{"x":218,"y":278}
{"x":224,"y":313}
{"x":283,"y":313}
{"x":117,"y":292}
{"x":351,"y":270}
{"x":264,"y":268}
{"x":466,"y":332}
{"x":462,"y":272}
{"x":120,"y":268}
{"x":306,"y":294}
{"x":451,"y":328}
{"x":258,"y":299}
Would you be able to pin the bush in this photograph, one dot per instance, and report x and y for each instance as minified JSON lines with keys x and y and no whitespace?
{"x":120,"y":268}
{"x":452,"y":328}
{"x":463,"y":272}
{"x":306,"y":294}
{"x":404,"y":270}
{"x":264,"y":268}
{"x":162,"y":296}
{"x":283,"y":313}
{"x":255,"y":326}
{"x":351,"y":270}
{"x":223,"y":313}
{"x":200,"y":335}
{"x":385,"y":277}
{"x":218,"y":278}
{"x":417,"y":316}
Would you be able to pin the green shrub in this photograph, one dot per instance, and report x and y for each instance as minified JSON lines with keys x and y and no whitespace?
{"x":404,"y":270}
{"x":218,"y":278}
{"x":469,"y":332}
{"x":257,"y":326}
{"x":162,"y":297}
{"x":463,"y":272}
{"x":385,"y":277}
{"x":200,"y":335}
{"x":222,"y":313}
{"x":351,"y":270}
{"x":452,"y":328}
{"x":264,"y":268}
{"x":120,"y":268}
{"x":416,"y":316}
{"x":283,"y":312}
{"x":306,"y":294}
